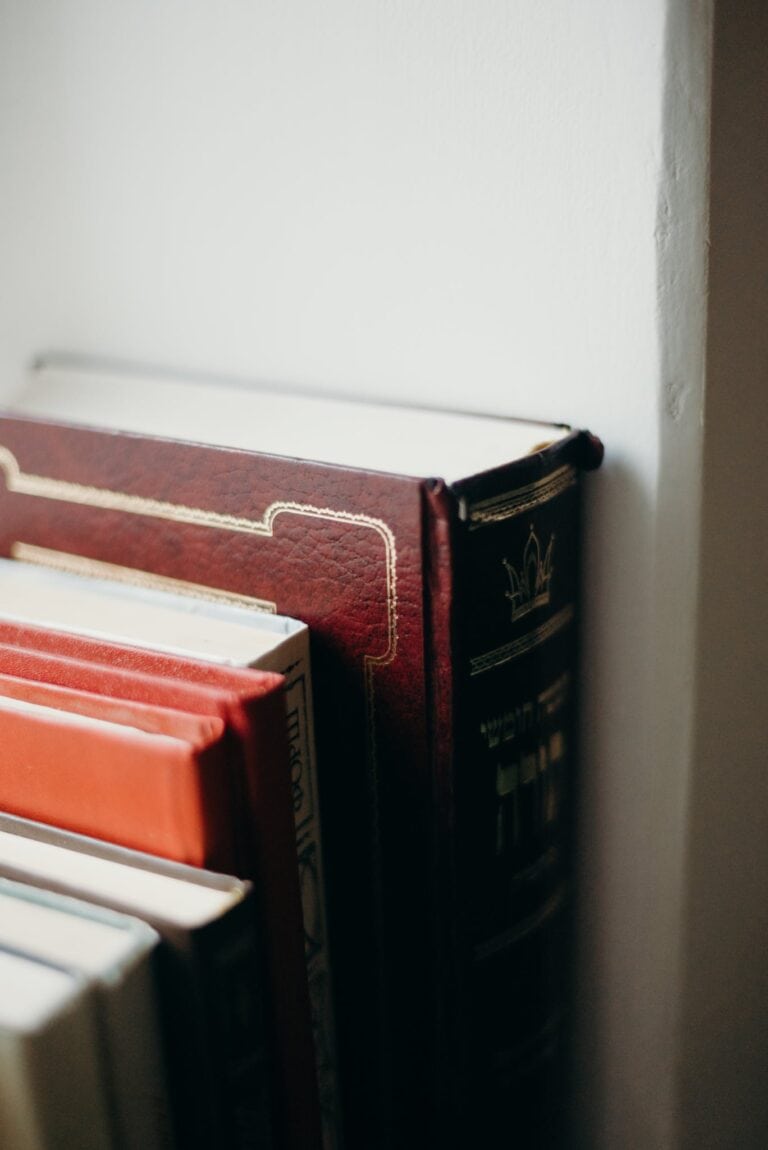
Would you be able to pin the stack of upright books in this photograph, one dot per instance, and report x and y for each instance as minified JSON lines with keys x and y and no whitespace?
{"x":183,"y":742}
{"x":406,"y":982}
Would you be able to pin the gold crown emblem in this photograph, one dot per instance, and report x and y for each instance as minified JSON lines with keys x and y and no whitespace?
{"x":529,"y":584}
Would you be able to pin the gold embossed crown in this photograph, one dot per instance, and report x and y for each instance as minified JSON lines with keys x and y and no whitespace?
{"x":529,"y":583}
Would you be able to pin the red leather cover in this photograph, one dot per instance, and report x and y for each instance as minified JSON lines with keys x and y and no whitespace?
{"x":259,"y":835}
{"x":383,"y":574}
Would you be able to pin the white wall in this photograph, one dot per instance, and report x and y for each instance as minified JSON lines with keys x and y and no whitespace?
{"x":473,"y":203}
{"x":443,"y":198}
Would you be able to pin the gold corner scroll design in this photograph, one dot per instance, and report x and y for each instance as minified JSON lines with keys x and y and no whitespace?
{"x":63,"y":491}
{"x":523,"y":499}
{"x":133,"y":577}
{"x":522,"y":646}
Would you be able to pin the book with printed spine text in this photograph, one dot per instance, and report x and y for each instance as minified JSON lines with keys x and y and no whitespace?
{"x":435,"y":558}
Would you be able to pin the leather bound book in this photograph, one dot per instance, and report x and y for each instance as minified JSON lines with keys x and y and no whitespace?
{"x":160,"y":693}
{"x":435,"y":558}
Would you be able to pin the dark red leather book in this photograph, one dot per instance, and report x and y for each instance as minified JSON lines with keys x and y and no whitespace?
{"x":256,"y":840}
{"x":444,"y":615}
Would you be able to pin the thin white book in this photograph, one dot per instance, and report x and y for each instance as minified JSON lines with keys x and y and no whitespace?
{"x":52,"y":1092}
{"x":192,"y":622}
{"x":115,"y":954}
{"x":208,"y":1000}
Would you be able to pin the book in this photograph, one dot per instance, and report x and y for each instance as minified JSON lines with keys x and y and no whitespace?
{"x":435,"y":558}
{"x":242,"y":823}
{"x":223,"y":639}
{"x":168,"y":793}
{"x":52,"y":1092}
{"x":116,"y":955}
{"x":210,"y":1003}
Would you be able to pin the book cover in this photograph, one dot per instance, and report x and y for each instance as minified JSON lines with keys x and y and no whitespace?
{"x":249,"y":772}
{"x":116,"y":954}
{"x":442,"y":599}
{"x":52,"y":1090}
{"x":169,"y":794}
{"x":210,"y":1003}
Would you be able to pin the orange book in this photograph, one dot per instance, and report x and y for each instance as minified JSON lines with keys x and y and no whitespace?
{"x":158,"y":782}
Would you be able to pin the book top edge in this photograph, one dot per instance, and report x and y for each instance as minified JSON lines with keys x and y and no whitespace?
{"x":155,"y":889}
{"x":381,"y":437}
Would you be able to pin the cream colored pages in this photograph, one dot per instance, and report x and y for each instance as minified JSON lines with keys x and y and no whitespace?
{"x":122,"y":614}
{"x":377,"y":437}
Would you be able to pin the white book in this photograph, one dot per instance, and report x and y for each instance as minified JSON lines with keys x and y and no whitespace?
{"x":209,"y":1000}
{"x":52,"y":1093}
{"x":37,"y":588}
{"x":114,"y":953}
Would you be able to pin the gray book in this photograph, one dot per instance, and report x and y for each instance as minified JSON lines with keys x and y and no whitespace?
{"x":52,"y":1092}
{"x":115,"y":953}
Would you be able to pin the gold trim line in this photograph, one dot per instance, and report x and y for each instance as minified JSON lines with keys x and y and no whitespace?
{"x":43,"y":487}
{"x":133,"y":577}
{"x":523,"y":499}
{"x":523,"y":645}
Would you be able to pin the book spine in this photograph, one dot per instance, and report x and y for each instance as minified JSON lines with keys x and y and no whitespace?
{"x":504,"y":565}
{"x":235,"y":1008}
{"x":268,"y":802}
{"x":212,"y":1000}
{"x":134,"y":1063}
{"x":291,"y":659}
